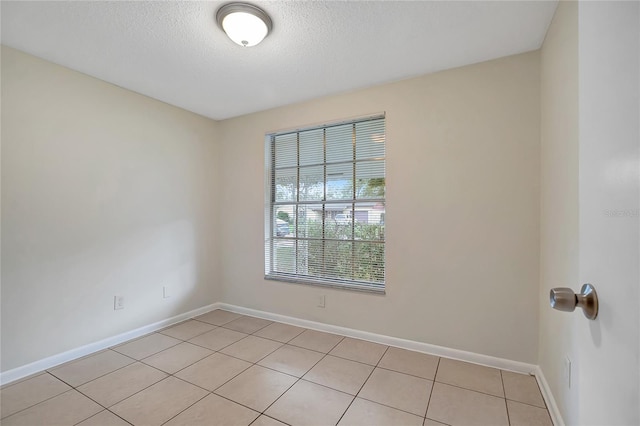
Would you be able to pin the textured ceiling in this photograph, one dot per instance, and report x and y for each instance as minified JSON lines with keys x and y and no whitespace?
{"x":174,"y":52}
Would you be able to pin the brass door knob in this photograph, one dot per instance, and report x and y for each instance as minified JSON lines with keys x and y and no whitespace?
{"x":564,"y":299}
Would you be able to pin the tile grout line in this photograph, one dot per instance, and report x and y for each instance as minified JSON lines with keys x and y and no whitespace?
{"x":118,"y":416}
{"x":224,"y":323}
{"x":437,"y":421}
{"x":168,"y":375}
{"x":122,"y":368}
{"x":147,"y":335}
{"x":236,"y":402}
{"x":24,"y":379}
{"x":235,"y":357}
{"x":208,"y":392}
{"x":221,"y":348}
{"x":372,"y":401}
{"x":118,"y":369}
{"x":133,"y":360}
{"x":256,"y":362}
{"x":251,"y":334}
{"x":96,"y":378}
{"x":102,"y":411}
{"x":91,"y":399}
{"x":269,"y":417}
{"x":362,"y":386}
{"x":280,"y":396}
{"x":208,"y":323}
{"x":205,"y":389}
{"x":301,"y":328}
{"x":177,"y":371}
{"x":353,"y":360}
{"x":527,"y":404}
{"x":308,"y":329}
{"x":236,"y":375}
{"x":116,"y":403}
{"x":44,"y":400}
{"x":135,"y":339}
{"x":186,"y":408}
{"x":192,"y":337}
{"x":224,"y":347}
{"x":506,"y":406}
{"x":240,"y":359}
{"x":389,"y":406}
{"x":472,"y":390}
{"x":376,"y":402}
{"x":88,"y":397}
{"x":433,"y":385}
{"x":298,"y":379}
{"x":292,"y":385}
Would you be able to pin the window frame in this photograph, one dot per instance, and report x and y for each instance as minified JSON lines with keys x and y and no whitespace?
{"x":271,"y":206}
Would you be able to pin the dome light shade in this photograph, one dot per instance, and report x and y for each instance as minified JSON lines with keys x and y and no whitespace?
{"x":245,"y":24}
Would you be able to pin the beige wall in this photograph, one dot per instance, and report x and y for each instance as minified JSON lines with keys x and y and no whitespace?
{"x":559,"y":197}
{"x":104,"y":192}
{"x":462,"y":213}
{"x":108,"y":192}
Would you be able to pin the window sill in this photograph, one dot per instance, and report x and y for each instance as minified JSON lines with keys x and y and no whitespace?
{"x":362,"y":288}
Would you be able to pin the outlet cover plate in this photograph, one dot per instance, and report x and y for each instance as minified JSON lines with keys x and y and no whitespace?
{"x":118,"y":302}
{"x":567,"y":371}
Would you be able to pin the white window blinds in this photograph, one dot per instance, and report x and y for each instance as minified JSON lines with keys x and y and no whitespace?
{"x":326,"y":208}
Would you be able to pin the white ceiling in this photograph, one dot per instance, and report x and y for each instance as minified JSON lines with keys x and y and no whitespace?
{"x":174,"y":52}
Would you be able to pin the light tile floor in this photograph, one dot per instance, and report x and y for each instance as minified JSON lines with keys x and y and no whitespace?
{"x":223,"y":368}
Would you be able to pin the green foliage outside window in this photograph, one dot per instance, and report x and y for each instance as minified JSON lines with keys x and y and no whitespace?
{"x":336,"y":258}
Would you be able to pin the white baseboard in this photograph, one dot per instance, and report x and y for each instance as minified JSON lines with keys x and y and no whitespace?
{"x":475,"y":358}
{"x":49,"y":362}
{"x":554,"y":412}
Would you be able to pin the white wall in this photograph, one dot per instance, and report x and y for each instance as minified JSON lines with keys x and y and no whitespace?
{"x":608,"y":368}
{"x":559,"y":197}
{"x":104,"y":192}
{"x":462,"y":211}
{"x":590,"y":146}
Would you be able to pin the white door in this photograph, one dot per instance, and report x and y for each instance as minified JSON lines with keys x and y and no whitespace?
{"x":607,"y":369}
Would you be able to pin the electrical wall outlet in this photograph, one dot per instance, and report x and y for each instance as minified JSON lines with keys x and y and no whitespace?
{"x":321,"y":301}
{"x":118,"y":302}
{"x":166,"y":291}
{"x":567,"y":371}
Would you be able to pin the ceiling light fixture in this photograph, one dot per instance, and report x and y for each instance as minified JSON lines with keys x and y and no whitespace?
{"x":245,"y":24}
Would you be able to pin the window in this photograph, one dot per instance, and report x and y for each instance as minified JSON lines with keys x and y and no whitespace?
{"x":326,"y":205}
